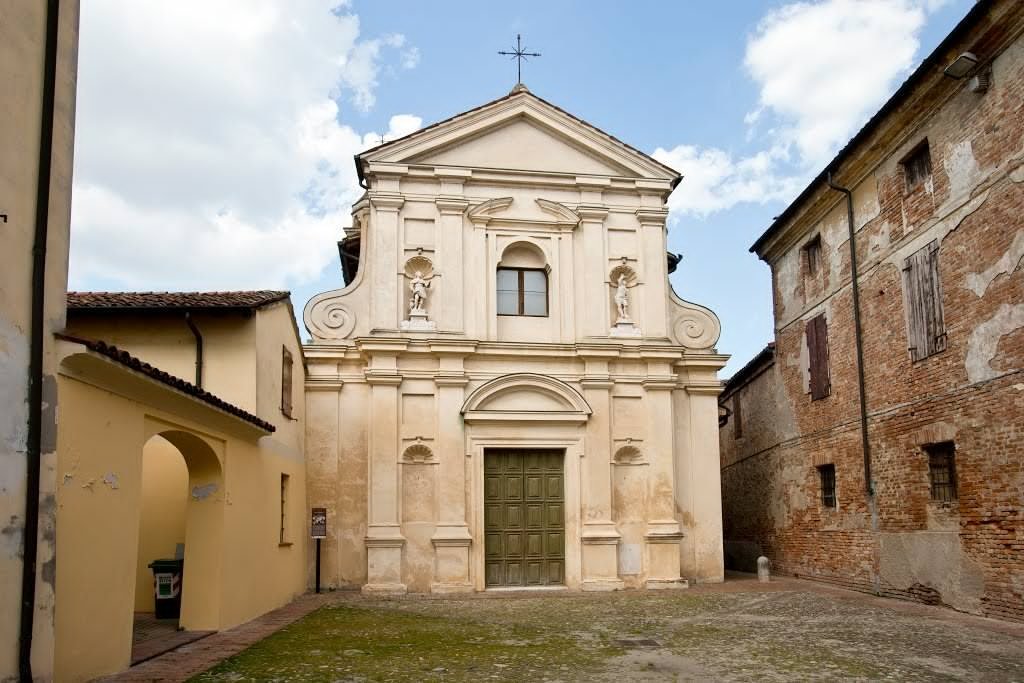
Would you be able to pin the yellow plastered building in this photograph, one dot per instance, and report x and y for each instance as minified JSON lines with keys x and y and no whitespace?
{"x":153,"y":466}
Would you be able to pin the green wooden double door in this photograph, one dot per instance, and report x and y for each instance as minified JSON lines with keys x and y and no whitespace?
{"x":524,"y":517}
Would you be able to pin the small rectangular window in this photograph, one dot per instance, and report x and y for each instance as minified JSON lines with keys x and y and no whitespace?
{"x":737,"y":417}
{"x":827,"y":475}
{"x":917,"y":166}
{"x":522,"y":291}
{"x":286,"y":382}
{"x":812,"y":256}
{"x":942,"y":471}
{"x":284,"y":538}
{"x":817,"y":354}
{"x":922,"y":303}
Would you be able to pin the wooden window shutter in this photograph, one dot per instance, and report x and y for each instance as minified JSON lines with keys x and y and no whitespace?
{"x":817,"y":352}
{"x":286,"y":382}
{"x":922,"y":300}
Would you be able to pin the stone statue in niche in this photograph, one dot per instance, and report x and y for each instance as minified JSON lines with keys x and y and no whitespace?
{"x":622,"y":299}
{"x":624,"y":326}
{"x":418,"y":322}
{"x":418,"y":287}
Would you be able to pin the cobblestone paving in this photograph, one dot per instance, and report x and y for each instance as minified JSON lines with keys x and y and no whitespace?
{"x":740,"y":631}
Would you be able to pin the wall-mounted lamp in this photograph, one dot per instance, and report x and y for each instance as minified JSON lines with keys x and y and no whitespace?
{"x":962,"y":65}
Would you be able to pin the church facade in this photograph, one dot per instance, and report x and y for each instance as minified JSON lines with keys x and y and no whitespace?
{"x":507,"y":393}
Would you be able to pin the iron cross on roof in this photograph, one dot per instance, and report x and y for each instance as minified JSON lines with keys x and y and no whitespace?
{"x":520,"y":55}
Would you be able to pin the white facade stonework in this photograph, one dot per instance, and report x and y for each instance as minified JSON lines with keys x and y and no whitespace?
{"x":407,"y":389}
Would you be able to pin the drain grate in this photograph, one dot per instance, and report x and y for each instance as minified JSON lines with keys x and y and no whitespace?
{"x":636,"y":642}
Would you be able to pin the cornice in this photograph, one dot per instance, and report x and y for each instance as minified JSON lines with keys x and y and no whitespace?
{"x":483,"y":212}
{"x":381,"y":345}
{"x":451,"y":380}
{"x":665,"y":382}
{"x":651,"y":216}
{"x":562,"y":213}
{"x":451,"y":205}
{"x":324,"y":384}
{"x":704,"y":389}
{"x":382,"y":377}
{"x":387,"y":202}
{"x":592,"y":213}
{"x":453,"y":348}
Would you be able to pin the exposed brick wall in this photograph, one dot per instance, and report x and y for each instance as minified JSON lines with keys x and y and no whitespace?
{"x":968,"y":554}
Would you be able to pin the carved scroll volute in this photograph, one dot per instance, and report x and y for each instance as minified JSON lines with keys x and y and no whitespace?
{"x":694,"y":326}
{"x":327,"y":318}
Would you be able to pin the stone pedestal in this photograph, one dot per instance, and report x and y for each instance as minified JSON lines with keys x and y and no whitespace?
{"x":451,"y":560}
{"x":662,"y":540}
{"x":418,"y":322}
{"x":624,"y":327}
{"x":384,"y":562}
{"x":600,"y":558}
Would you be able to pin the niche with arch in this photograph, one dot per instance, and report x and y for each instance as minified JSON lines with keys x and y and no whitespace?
{"x":632,"y":280}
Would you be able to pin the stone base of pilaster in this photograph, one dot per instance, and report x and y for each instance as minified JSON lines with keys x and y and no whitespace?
{"x":600,"y":558}
{"x":384,"y":563}
{"x":451,"y":559}
{"x":663,"y":569}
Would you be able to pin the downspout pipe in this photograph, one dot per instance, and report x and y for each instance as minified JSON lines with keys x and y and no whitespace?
{"x":34,"y":437}
{"x":199,"y":347}
{"x":858,"y":337}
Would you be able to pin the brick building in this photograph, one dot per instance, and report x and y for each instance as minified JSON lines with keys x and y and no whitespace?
{"x":920,"y":496}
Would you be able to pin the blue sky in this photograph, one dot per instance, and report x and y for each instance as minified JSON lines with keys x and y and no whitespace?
{"x":215,"y":141}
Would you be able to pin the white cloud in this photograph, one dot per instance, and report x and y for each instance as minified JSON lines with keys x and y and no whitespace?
{"x":822,"y":69}
{"x":713,"y":180}
{"x":209,"y":151}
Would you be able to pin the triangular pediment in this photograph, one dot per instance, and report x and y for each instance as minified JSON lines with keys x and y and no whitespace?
{"x":522,"y":144}
{"x":520,"y":132}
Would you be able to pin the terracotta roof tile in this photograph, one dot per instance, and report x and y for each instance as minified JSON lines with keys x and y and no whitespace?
{"x":124,"y":358}
{"x":174,"y":300}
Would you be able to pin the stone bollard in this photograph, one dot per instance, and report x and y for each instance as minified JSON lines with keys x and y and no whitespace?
{"x":763,"y":575}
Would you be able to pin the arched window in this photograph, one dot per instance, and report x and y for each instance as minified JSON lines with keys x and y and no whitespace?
{"x":522,"y":281}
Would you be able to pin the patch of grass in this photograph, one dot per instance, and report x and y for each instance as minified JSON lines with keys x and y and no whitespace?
{"x":346,"y":643}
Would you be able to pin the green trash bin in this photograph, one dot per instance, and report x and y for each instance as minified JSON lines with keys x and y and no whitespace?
{"x":167,"y":587}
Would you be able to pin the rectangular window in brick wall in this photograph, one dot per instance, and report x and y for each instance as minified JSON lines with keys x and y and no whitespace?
{"x":817,"y":352}
{"x":922,"y":302}
{"x":942,"y":471}
{"x":917,"y":166}
{"x":827,"y":475}
{"x":812,"y":256}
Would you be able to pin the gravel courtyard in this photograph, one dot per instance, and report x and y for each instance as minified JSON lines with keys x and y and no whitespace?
{"x":741,"y":631}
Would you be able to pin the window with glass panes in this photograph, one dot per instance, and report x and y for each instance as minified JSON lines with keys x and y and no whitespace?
{"x":522,"y":291}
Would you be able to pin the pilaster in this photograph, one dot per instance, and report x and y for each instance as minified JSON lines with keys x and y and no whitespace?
{"x":593,"y":318}
{"x":699,"y":456}
{"x":451,"y":297}
{"x":384,"y":540}
{"x":384,"y":233}
{"x":655,"y":271}
{"x":600,"y":538}
{"x":452,"y":539}
{"x":663,"y":534}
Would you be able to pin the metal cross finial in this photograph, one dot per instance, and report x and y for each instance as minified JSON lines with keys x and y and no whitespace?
{"x":520,"y":55}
